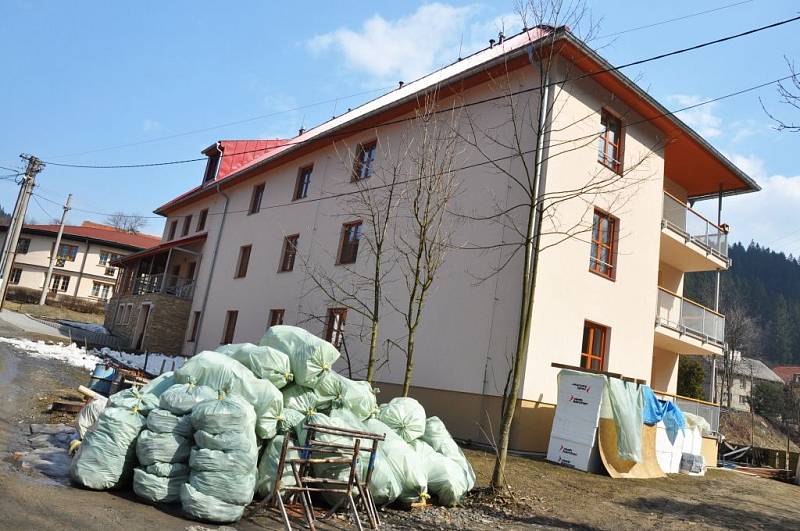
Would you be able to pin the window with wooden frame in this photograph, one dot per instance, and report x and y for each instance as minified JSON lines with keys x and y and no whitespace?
{"x":610,"y":147}
{"x":275,"y":317}
{"x":594,"y":347}
{"x":303,"y":182}
{"x":173,"y":229}
{"x":255,"y":198}
{"x":201,"y":220}
{"x":23,"y":244}
{"x":67,"y":252}
{"x":603,"y":255}
{"x":364,"y":159}
{"x":288,"y":253}
{"x":230,"y":326}
{"x":243,"y":262}
{"x":193,"y":329}
{"x":348,"y":249}
{"x":334,"y":326}
{"x":59,"y":283}
{"x":16,"y":274}
{"x":187,"y":225}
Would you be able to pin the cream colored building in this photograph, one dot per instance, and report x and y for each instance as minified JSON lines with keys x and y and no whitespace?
{"x":83,"y":262}
{"x":608,"y":295}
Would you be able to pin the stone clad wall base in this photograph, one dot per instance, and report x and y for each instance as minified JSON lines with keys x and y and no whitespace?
{"x":166,"y":327}
{"x":468,"y":416}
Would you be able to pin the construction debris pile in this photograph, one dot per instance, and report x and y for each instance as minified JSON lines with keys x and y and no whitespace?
{"x":194,"y":436}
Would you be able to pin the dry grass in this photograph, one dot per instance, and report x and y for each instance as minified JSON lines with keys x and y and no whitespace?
{"x":54,"y":312}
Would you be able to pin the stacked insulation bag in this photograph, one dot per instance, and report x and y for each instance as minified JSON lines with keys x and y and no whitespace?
{"x":222,"y":464}
{"x":106,"y":456}
{"x":162,"y":449}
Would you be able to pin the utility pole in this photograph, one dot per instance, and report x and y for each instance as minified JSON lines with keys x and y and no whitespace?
{"x":18,"y":219}
{"x":53,"y":255}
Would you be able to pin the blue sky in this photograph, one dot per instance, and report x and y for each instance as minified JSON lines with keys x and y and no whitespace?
{"x":81,"y":77}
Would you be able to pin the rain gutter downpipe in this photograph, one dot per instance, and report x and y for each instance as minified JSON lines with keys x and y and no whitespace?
{"x":211,"y":269}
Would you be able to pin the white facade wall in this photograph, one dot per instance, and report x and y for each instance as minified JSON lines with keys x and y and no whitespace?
{"x":83,"y":272}
{"x":469,"y":334}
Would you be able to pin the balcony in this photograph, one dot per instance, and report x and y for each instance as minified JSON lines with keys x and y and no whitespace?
{"x":182,"y":288}
{"x":685,"y":327}
{"x":689,"y":241}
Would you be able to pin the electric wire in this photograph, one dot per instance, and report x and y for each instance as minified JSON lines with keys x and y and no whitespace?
{"x":470,"y":104}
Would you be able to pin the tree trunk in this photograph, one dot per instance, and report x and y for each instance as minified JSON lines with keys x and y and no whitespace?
{"x":409,"y":364}
{"x":373,"y":347}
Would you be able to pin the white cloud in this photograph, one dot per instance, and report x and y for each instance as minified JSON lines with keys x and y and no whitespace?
{"x":402,"y":49}
{"x":768,"y":217}
{"x":151,"y":125}
{"x":702,"y":118}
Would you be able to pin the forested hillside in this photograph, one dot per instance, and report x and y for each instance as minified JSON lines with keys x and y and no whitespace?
{"x":762,"y":287}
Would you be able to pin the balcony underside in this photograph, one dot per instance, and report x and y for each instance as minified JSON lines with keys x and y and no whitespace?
{"x":686,"y":343}
{"x":686,"y":255}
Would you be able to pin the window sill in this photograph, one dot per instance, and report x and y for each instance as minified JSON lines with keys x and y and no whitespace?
{"x":610,"y":277}
{"x":615,"y":169}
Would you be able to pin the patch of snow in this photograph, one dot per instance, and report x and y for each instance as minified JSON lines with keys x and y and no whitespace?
{"x":91,"y":327}
{"x":71,"y":354}
{"x":79,"y":357}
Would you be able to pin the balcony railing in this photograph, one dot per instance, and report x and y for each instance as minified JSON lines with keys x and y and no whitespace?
{"x":701,"y":408}
{"x":677,"y":216}
{"x":688,"y":317}
{"x":169,"y":284}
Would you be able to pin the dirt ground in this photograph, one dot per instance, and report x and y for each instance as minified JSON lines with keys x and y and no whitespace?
{"x":543,"y":495}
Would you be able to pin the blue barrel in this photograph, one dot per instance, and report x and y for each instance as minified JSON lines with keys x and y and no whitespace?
{"x":101,"y":379}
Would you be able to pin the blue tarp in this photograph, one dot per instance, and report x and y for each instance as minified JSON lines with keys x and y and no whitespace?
{"x":656,"y":410}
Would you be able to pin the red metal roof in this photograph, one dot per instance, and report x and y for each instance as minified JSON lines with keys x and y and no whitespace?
{"x":238,"y":153}
{"x":786,"y":372}
{"x":98,"y":231}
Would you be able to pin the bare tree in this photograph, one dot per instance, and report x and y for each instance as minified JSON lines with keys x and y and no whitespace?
{"x":536,"y":216}
{"x":425,"y":231}
{"x":132,"y":223}
{"x":789,"y":95}
{"x":360,"y":289}
{"x":742,"y":334}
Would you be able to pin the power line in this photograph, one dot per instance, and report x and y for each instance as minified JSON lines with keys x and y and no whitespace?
{"x":470,"y":104}
{"x":46,"y":213}
{"x":469,"y":166}
{"x":333,"y":100}
{"x":223,"y":125}
{"x":676,"y":19}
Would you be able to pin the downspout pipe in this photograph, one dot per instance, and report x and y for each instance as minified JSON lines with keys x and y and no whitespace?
{"x":211,"y":268}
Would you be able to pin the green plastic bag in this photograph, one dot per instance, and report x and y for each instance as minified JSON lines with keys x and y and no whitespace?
{"x":162,"y":421}
{"x":290,"y":419}
{"x":268,"y":467}
{"x":627,"y":407}
{"x":405,"y":416}
{"x":446,"y":478}
{"x":397,"y":456}
{"x":265,"y":362}
{"x":229,"y":349}
{"x":224,"y":485}
{"x":310,"y":357}
{"x":168,"y":470}
{"x":219,"y":461}
{"x":181,"y":398}
{"x":135,"y":400}
{"x":105,"y":458}
{"x":160,"y":384}
{"x":227,"y":375}
{"x":437,"y":436}
{"x":204,"y":507}
{"x":229,"y":441}
{"x":225,"y":414}
{"x":157,"y":489}
{"x":331,"y":389}
{"x":300,"y":399}
{"x":359,"y":397}
{"x":154,"y":447}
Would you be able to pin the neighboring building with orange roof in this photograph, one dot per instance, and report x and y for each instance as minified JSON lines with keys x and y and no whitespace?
{"x":83,"y":263}
{"x":790,"y":374}
{"x":234,"y":251}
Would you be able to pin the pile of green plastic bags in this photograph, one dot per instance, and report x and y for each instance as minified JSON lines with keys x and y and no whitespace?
{"x":194,"y":437}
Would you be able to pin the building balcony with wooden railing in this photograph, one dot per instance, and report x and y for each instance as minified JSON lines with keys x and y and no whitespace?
{"x":689,"y":241}
{"x":686,"y":327}
{"x":161,"y":283}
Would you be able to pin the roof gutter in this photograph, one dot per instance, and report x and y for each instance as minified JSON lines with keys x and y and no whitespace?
{"x":211,"y":269}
